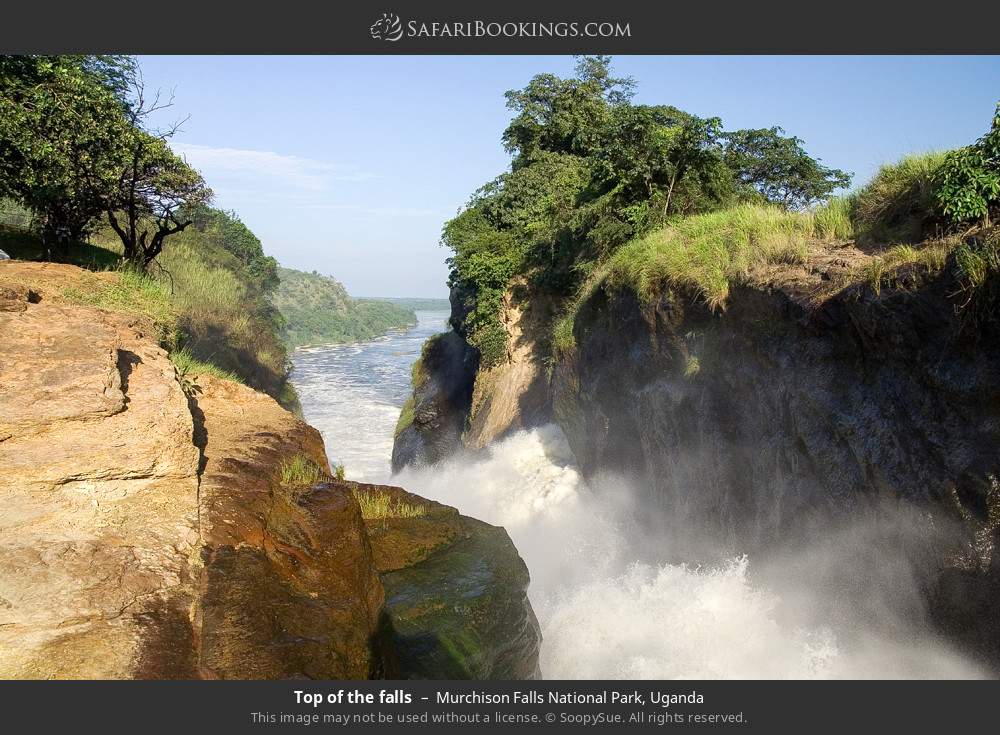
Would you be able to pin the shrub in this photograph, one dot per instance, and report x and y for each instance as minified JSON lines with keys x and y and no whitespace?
{"x":900,"y":201}
{"x":968,"y":182}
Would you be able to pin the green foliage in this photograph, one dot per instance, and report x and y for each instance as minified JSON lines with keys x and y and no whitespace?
{"x":188,"y":365}
{"x":300,"y":471}
{"x":591,"y":171}
{"x":62,"y":123}
{"x":339,"y":471}
{"x":226,"y":229}
{"x":977,"y":263}
{"x":899,"y":202}
{"x":377,"y":504}
{"x":316,"y":309}
{"x":153,"y":191}
{"x":778,"y":168}
{"x":73,"y":147}
{"x":968,"y":182}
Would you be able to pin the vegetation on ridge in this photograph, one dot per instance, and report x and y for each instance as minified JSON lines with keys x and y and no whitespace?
{"x":591,"y":171}
{"x":316,"y":309}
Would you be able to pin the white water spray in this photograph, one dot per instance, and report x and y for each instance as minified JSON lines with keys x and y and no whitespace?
{"x":608,"y":602}
{"x":604,"y":615}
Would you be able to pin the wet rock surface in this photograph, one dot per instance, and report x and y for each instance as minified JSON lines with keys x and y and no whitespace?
{"x":440,"y":403}
{"x":456,"y":594}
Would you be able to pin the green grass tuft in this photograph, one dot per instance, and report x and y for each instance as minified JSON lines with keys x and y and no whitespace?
{"x":187,"y":364}
{"x":898,"y":203}
{"x":378,"y":504}
{"x":300,"y":471}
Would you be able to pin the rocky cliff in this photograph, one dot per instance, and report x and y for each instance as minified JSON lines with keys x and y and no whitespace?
{"x":148,"y":529}
{"x":816,"y":397}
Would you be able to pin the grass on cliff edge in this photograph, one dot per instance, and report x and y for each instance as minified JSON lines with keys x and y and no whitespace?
{"x":378,"y":504}
{"x":418,"y":376}
{"x":707,"y":253}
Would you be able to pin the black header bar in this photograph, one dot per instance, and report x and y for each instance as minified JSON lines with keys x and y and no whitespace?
{"x":508,"y":27}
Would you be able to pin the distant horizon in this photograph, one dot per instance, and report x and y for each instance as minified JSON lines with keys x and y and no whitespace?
{"x":350,"y":166}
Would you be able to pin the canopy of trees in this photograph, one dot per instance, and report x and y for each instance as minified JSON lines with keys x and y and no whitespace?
{"x":75,"y":148}
{"x":590,"y":170}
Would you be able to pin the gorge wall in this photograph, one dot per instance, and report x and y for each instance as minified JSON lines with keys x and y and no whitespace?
{"x":814,"y":401}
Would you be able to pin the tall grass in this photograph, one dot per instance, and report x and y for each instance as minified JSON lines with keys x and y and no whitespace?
{"x":978,"y":268}
{"x":897,"y":204}
{"x":378,"y":504}
{"x":133,"y":293}
{"x":188,"y":364}
{"x":708,"y":252}
{"x":225,"y":320}
{"x":834,"y":220}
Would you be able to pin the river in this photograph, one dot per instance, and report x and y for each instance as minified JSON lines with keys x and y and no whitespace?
{"x":608,"y":604}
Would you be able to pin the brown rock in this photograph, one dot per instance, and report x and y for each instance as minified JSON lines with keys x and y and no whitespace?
{"x":289,"y":588}
{"x":116,"y":559}
{"x":99,"y":488}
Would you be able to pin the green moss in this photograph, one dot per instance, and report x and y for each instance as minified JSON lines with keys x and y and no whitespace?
{"x":405,"y":416}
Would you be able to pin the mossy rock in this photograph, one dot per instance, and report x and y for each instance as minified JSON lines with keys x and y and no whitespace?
{"x":456,"y":596}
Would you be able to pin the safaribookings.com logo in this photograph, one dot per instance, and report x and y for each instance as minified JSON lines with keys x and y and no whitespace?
{"x":390,"y":28}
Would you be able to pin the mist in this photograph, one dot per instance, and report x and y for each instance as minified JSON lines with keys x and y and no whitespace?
{"x":619,"y":596}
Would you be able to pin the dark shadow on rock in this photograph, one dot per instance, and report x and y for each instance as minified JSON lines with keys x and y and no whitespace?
{"x":126,"y":363}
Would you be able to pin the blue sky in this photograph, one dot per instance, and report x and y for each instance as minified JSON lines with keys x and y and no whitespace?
{"x":350,"y":165}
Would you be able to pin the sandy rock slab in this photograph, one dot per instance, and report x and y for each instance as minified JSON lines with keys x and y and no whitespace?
{"x":99,"y":487}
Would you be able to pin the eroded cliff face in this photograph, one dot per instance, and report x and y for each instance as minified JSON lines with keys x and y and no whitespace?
{"x":812,"y":401}
{"x":147,"y":530}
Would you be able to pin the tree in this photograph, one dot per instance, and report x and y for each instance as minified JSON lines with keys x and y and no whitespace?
{"x":564,"y":115}
{"x":650,"y":151}
{"x":968,"y":182}
{"x":155,"y":188}
{"x":779,"y":169}
{"x":62,"y":121}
